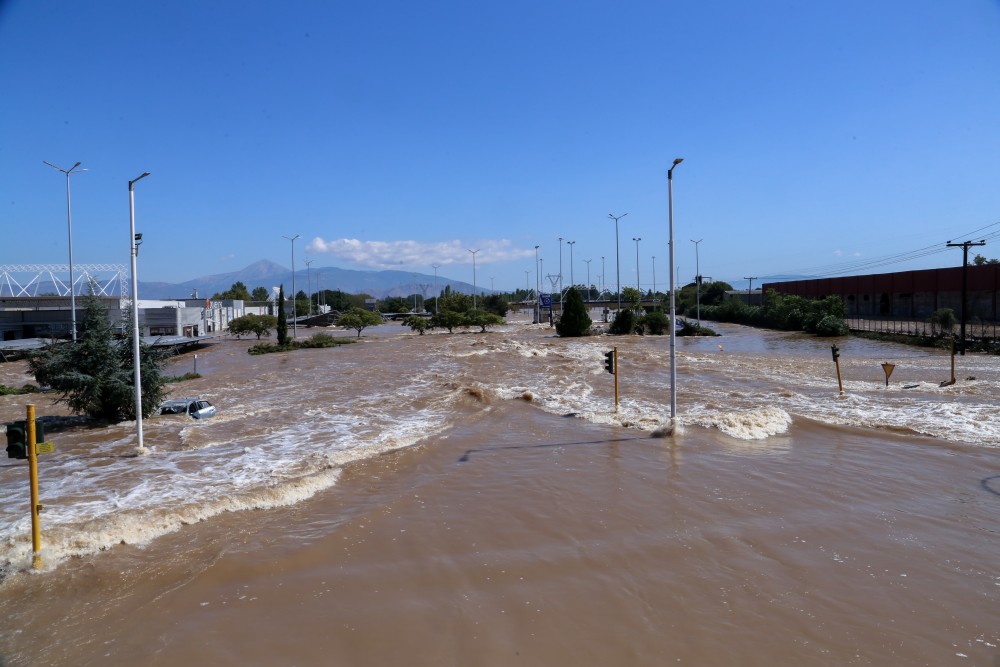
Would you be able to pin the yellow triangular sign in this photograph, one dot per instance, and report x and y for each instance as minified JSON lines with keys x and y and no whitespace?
{"x":888,"y":368}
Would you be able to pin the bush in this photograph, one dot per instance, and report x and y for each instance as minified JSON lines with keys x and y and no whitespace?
{"x":319,"y":340}
{"x":181,"y":378}
{"x":831,"y":326}
{"x":11,"y":391}
{"x":655,"y":323}
{"x":623,"y":324}
{"x":944,"y":320}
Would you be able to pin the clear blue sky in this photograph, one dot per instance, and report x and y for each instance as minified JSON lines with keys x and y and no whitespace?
{"x":400,"y":134}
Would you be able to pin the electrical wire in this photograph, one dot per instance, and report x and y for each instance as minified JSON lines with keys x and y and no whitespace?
{"x":863,"y":265}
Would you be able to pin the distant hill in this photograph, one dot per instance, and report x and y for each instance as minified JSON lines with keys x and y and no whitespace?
{"x":379,"y":284}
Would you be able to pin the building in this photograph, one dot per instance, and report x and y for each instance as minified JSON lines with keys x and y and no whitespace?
{"x":49,"y":316}
{"x":914,"y":295}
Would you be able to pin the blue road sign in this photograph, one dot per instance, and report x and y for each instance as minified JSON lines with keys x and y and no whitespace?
{"x":546,"y":300}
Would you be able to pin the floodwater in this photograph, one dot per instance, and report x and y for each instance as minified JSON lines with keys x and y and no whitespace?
{"x":475,"y":499}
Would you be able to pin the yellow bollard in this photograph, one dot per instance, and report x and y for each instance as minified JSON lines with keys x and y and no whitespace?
{"x":36,"y":528}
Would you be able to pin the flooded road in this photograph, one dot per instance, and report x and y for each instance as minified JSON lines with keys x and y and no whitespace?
{"x":475,"y":499}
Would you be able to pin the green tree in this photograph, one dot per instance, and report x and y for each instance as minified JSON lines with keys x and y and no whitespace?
{"x":237,"y":291}
{"x":632,"y":296}
{"x":395,"y":304}
{"x":447,"y":319}
{"x":496,"y":304}
{"x":260,"y":294}
{"x":95,"y":375}
{"x":417,"y":323}
{"x":359,"y":319}
{"x":482,"y":319}
{"x":260,"y":325}
{"x":282,"y":318}
{"x":574,"y":321}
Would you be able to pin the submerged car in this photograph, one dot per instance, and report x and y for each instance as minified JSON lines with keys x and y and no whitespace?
{"x":198,"y":408}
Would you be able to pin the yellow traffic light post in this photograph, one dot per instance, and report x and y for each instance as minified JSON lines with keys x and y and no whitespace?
{"x":36,"y":528}
{"x":611,"y":365}
{"x":836,"y":359}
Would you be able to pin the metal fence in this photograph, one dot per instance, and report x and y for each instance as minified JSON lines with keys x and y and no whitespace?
{"x":975,"y":329}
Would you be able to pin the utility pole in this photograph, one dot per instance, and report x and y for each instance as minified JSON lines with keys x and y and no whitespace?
{"x":749,"y":287}
{"x":587,"y":262}
{"x":965,"y":282}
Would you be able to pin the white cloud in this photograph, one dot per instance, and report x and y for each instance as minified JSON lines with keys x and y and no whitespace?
{"x":406,"y":254}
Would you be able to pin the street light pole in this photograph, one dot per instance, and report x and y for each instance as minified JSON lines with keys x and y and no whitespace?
{"x":572,"y":282}
{"x":697,"y":280}
{"x":473,"y":276}
{"x":134,"y":241}
{"x":673,"y":298}
{"x":437,"y":299}
{"x":638,"y":285}
{"x":618,"y":260}
{"x":538,"y":314}
{"x":654,"y":282}
{"x":560,"y":273}
{"x":587,"y":262}
{"x":604,"y":274}
{"x":69,"y":226}
{"x":295,"y":328}
{"x":308,"y":263}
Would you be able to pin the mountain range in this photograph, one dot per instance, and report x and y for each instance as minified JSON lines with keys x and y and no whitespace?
{"x":379,"y":284}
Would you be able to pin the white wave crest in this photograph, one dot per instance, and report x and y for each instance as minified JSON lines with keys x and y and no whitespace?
{"x":756,"y":424}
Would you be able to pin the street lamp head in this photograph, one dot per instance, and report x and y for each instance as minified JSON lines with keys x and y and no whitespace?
{"x":136,"y":180}
{"x":678,"y":160}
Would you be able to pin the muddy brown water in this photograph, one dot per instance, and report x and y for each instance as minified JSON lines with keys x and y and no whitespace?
{"x":475,"y":499}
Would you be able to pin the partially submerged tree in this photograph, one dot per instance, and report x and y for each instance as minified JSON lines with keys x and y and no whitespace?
{"x":574,"y":321}
{"x":359,"y":320}
{"x":95,"y":375}
{"x":417,"y":323}
{"x":482,"y":319}
{"x":447,"y":319}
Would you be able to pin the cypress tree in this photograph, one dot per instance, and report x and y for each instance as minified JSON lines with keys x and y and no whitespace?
{"x":282,"y":319}
{"x":574,"y":320}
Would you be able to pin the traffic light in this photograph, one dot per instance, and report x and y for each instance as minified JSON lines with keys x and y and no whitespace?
{"x":609,"y":361}
{"x":17,"y":441}
{"x":836,"y":352}
{"x":17,"y":438}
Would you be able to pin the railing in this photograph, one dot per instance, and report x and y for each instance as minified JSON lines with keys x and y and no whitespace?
{"x":975,"y":329}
